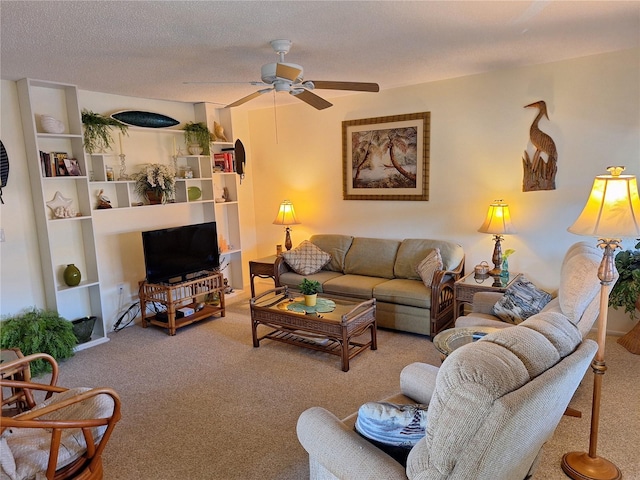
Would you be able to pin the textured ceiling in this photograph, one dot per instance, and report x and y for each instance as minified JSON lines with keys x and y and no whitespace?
{"x":150,"y":48}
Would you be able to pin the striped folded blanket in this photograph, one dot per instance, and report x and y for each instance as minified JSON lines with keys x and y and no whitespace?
{"x":392,"y":424}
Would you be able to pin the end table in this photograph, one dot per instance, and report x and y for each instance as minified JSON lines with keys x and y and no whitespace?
{"x":262,"y":268}
{"x":467,"y":286}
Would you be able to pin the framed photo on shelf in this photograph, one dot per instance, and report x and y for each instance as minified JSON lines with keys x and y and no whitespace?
{"x":386,"y":158}
{"x":73,"y":167}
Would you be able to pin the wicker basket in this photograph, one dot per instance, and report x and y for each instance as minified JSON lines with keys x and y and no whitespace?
{"x":83,"y":327}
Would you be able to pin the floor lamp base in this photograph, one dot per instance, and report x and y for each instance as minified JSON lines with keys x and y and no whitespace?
{"x":580,"y":466}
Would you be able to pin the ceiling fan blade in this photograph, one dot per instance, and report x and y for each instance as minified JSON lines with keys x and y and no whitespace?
{"x":248,"y":97}
{"x":312,"y":99}
{"x":287,"y":72}
{"x":356,"y":86}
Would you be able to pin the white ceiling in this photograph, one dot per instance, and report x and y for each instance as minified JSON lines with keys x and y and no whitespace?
{"x":150,"y":48}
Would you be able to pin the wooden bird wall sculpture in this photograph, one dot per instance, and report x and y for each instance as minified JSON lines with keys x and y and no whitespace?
{"x":540,"y":172}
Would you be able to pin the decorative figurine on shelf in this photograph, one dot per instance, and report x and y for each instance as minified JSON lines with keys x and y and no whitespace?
{"x":218,"y":132}
{"x":61,"y":206}
{"x":103,"y":200}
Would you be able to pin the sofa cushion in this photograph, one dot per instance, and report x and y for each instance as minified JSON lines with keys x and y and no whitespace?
{"x":401,"y":291}
{"x":428,"y":266}
{"x":356,"y":286}
{"x":520,"y":301}
{"x":306,"y":258}
{"x":359,"y":259}
{"x":293,"y":279}
{"x":335,"y":245}
{"x":413,"y":250}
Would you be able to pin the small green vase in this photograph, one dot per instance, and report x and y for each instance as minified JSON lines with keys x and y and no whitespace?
{"x":72,"y":275}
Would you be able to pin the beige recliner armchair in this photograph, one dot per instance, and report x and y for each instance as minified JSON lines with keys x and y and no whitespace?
{"x":492,"y":406}
{"x":578,"y":295}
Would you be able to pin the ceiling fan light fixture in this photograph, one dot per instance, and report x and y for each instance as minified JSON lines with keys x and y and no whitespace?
{"x":268,"y":72}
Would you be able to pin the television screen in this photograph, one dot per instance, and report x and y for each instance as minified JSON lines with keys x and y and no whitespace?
{"x":178,"y":254}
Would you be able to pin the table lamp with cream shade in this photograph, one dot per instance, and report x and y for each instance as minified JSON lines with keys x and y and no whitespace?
{"x":286,"y":216}
{"x":498,"y":223}
{"x":612,"y":211}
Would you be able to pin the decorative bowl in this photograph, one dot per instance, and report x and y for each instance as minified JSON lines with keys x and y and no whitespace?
{"x":51,"y":125}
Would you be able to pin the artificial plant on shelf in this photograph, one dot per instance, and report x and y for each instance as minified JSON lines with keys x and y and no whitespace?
{"x":156,"y":180}
{"x":626,"y":293}
{"x":197,"y":133}
{"x":37,"y":330}
{"x":97,"y":131}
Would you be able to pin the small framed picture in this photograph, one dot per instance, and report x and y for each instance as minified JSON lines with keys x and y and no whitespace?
{"x":73,"y":167}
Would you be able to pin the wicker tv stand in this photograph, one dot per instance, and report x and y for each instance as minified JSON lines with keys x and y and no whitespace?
{"x":179,"y":295}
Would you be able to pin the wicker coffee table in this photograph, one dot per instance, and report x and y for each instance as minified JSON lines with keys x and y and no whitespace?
{"x":330,"y":330}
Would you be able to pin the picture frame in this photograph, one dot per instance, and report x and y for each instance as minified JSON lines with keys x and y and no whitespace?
{"x":73,"y":167}
{"x":387,"y":158}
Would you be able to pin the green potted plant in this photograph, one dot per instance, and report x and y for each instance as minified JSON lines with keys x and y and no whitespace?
{"x":38,"y":331}
{"x":156,"y":183}
{"x":97,"y":130}
{"x":309,"y":289}
{"x":626,"y":293}
{"x":197,"y":134}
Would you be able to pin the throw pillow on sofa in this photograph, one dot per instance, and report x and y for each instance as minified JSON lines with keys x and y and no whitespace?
{"x":427,"y":267}
{"x":520,"y":301}
{"x":306,"y":258}
{"x":393,"y":428}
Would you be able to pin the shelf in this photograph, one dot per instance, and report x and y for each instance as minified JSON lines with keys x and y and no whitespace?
{"x":206,"y":312}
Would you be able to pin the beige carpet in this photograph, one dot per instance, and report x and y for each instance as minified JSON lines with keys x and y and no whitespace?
{"x":205,"y":404}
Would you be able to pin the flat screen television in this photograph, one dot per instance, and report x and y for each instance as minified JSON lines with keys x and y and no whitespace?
{"x":178,"y":254}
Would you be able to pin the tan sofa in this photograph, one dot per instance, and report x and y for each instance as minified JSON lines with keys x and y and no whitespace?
{"x":492,"y":406}
{"x":384,"y":269}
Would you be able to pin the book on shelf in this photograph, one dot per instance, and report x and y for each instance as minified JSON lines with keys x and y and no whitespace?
{"x":224,"y":162}
{"x":53,"y":164}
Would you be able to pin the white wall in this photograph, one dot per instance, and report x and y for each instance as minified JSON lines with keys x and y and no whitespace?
{"x":479,"y":131}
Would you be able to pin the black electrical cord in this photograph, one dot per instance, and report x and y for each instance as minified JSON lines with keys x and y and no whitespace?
{"x":117,"y":327}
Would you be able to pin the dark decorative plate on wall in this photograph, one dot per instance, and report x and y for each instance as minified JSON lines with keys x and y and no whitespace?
{"x":145,"y":119}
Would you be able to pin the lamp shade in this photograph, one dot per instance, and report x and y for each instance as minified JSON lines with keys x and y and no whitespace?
{"x":613,"y":207}
{"x":498,"y":221}
{"x":286,"y":214}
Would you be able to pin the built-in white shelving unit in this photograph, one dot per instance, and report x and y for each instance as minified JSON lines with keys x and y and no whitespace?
{"x":63,"y":241}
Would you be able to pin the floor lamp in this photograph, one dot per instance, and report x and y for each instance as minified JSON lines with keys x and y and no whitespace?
{"x":611,"y":212}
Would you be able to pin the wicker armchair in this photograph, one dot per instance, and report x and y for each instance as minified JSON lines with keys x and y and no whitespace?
{"x":62,"y":437}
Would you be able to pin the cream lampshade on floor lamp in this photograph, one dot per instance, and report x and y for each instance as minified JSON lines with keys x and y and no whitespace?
{"x":611,"y":212}
{"x":286,"y":216}
{"x":498,"y":222}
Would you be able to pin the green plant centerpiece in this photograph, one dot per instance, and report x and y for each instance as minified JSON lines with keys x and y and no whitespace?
{"x":626,"y":291}
{"x":309,"y":289}
{"x":38,"y":331}
{"x":156,"y":183}
{"x":197,"y":133}
{"x":97,"y":131}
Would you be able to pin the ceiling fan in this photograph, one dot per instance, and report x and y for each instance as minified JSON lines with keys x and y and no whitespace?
{"x":289,"y":77}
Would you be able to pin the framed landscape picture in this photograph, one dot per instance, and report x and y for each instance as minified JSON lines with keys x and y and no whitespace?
{"x":386,"y":158}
